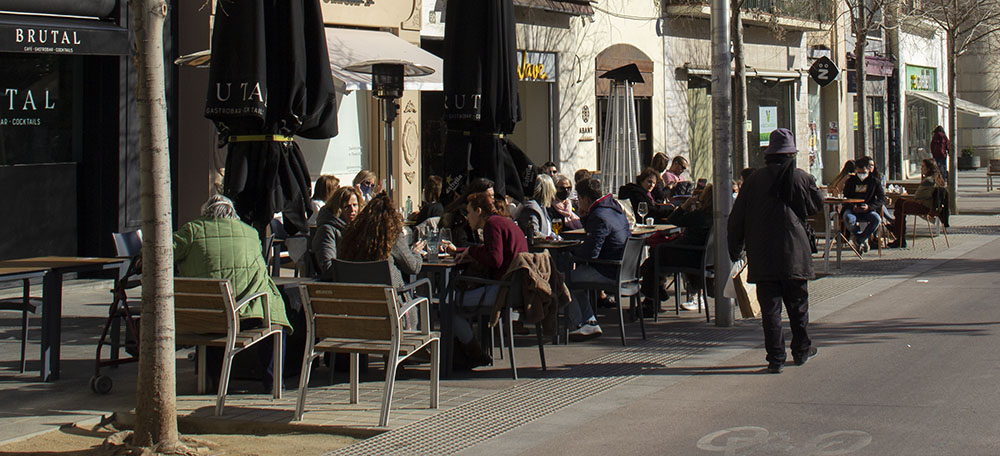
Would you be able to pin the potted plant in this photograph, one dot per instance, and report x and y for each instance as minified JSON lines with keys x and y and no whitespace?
{"x":968,"y":160}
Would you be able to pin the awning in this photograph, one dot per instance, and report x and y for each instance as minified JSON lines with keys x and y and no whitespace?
{"x":571,"y":7}
{"x":941,"y":99}
{"x":350,"y":46}
{"x":779,"y":75}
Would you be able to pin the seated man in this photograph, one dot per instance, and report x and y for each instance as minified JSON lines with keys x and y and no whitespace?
{"x":607,"y":230}
{"x":218,"y":245}
{"x":865,"y":185}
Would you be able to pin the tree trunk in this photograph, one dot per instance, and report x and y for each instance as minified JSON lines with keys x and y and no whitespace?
{"x":861,"y":100}
{"x":156,"y":414}
{"x":741,"y":157}
{"x":952,"y":127}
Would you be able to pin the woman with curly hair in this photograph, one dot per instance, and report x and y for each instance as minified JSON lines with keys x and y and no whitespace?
{"x":377,"y":234}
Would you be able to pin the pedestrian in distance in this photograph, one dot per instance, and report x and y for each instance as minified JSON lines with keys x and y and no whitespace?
{"x":940,"y":145}
{"x":769,"y":218}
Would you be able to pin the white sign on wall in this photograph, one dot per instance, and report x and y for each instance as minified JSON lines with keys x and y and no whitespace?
{"x":768,"y":123}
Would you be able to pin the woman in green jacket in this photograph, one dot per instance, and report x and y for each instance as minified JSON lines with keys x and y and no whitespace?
{"x":218,"y":245}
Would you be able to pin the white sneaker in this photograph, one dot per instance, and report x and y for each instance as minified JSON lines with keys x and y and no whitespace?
{"x":691,"y":305}
{"x":589,"y":329}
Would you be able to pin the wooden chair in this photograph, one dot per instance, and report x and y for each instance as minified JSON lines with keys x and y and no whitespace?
{"x":207,"y":315}
{"x":25,"y":304}
{"x":991,"y":172}
{"x":356,"y":319}
{"x":938,"y":207}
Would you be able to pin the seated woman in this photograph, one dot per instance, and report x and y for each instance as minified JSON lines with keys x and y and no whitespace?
{"x":836,"y":186}
{"x":920,"y":203}
{"x":364,"y":181}
{"x":377,"y":234}
{"x":562,"y":206}
{"x":322,"y":191}
{"x":641,"y":192}
{"x":454,"y":216}
{"x":502,"y":242}
{"x":431,"y":207}
{"x":695,"y":216}
{"x":338,"y":213}
{"x":533,"y":215}
{"x":218,"y":245}
{"x":659,"y":163}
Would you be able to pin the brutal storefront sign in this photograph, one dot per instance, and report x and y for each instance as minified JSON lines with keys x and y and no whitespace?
{"x":62,"y":37}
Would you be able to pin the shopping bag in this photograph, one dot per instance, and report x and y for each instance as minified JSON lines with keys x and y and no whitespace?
{"x":746,"y":295}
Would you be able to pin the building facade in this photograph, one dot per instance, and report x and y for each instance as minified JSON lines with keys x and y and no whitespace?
{"x":68,"y":132}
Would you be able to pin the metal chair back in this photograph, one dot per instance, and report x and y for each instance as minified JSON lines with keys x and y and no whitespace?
{"x":368,"y":272}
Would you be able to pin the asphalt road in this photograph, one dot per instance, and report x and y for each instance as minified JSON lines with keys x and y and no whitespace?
{"x":912,"y":370}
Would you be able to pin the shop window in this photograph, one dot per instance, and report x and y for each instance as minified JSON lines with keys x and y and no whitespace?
{"x":36,"y":109}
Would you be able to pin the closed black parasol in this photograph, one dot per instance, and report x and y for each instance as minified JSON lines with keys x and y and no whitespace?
{"x":481,"y":97}
{"x":269,"y":79}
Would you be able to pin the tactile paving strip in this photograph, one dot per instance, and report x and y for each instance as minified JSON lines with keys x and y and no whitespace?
{"x":487,"y":417}
{"x":482,"y":419}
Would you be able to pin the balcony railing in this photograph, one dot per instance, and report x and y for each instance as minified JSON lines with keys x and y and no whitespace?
{"x":811,"y":10}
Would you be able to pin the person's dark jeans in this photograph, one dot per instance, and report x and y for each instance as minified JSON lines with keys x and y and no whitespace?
{"x":943,"y":167}
{"x":851,"y":220}
{"x":795,"y":294}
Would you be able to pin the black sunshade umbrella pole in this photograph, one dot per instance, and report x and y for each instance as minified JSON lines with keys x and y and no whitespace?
{"x":481,"y":97}
{"x":269,"y":79}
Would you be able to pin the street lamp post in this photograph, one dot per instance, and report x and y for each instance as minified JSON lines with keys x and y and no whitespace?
{"x":387,"y":87}
{"x":722,"y":146}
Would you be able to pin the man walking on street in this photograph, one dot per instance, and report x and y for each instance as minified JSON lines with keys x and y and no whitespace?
{"x":769,"y":217}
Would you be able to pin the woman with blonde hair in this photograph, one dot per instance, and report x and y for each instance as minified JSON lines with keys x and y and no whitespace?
{"x":365,"y":182}
{"x":533,"y":215}
{"x":562,"y":205}
{"x":339,"y":212}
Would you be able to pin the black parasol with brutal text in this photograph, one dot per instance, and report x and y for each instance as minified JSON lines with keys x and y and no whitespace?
{"x":269,"y":80}
{"x":481,"y":96}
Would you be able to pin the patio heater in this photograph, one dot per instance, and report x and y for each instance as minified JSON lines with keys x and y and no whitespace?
{"x":620,"y":151}
{"x":387,"y":86}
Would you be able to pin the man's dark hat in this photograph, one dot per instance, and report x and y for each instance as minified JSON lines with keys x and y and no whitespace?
{"x":782,"y":142}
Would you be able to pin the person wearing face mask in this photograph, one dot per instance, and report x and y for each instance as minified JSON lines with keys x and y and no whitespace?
{"x":333,"y":219}
{"x":364,"y":181}
{"x":866,"y":185}
{"x":641,"y":191}
{"x":562,"y":206}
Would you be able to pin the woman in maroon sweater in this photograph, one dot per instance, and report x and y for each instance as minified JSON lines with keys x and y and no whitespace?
{"x":502,"y":241}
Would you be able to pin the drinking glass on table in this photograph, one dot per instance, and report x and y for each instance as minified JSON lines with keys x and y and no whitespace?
{"x":444,"y":238}
{"x":557,"y":226}
{"x":642,"y":210}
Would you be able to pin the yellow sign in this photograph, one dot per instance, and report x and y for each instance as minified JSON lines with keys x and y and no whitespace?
{"x":878,"y":119}
{"x":536,"y":66}
{"x":855,"y":121}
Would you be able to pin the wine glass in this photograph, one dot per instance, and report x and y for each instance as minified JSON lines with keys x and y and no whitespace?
{"x":642,"y":210}
{"x":444,"y":236}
